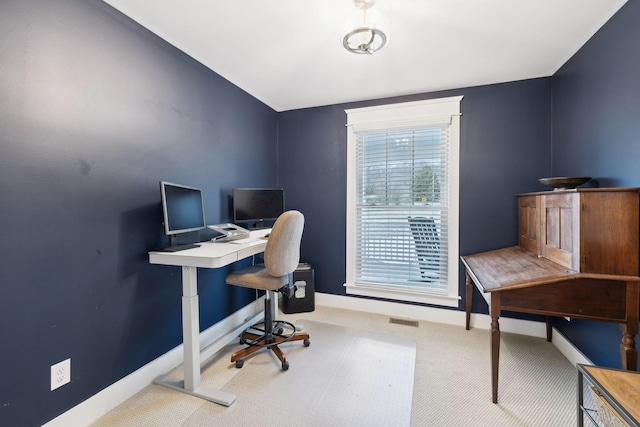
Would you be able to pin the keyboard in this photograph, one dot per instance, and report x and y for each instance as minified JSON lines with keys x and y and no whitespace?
{"x":178,"y":248}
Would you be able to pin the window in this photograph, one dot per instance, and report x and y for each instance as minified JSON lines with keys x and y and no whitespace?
{"x":402,"y":207}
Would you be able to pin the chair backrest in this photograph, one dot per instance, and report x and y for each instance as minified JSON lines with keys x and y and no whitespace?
{"x":425,"y":233}
{"x":282,"y":254}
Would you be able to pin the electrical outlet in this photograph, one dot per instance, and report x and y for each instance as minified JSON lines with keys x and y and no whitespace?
{"x":60,"y":374}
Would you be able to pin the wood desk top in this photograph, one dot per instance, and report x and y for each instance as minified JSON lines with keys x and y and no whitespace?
{"x":623,"y":386}
{"x":514,"y":267}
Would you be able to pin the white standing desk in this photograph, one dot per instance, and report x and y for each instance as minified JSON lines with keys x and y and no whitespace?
{"x":207,"y":255}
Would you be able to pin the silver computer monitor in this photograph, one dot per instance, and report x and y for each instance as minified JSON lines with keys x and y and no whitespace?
{"x":182,"y":208}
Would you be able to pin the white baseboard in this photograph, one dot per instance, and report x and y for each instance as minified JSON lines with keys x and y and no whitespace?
{"x":104,"y":401}
{"x":99,"y":404}
{"x":453,"y":317}
{"x":567,"y":348}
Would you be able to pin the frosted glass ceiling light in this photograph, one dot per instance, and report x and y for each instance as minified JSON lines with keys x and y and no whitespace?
{"x":364,"y":39}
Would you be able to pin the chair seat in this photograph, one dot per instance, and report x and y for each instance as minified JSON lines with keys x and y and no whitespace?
{"x":256,"y":277}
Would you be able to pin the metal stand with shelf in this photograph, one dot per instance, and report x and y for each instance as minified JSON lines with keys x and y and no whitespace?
{"x":616,"y":396}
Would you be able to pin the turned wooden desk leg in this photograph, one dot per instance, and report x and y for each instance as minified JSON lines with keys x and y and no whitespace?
{"x":549,"y":321}
{"x":467,"y":297}
{"x":495,"y":344}
{"x":628,"y":352}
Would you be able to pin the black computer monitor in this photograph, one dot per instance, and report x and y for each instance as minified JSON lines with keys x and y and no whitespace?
{"x":182,"y":208}
{"x":257,"y":205}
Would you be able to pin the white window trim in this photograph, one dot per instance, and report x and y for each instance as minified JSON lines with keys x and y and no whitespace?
{"x":402,"y":115}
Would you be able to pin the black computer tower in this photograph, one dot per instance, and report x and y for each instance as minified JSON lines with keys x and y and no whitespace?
{"x":303,"y":300}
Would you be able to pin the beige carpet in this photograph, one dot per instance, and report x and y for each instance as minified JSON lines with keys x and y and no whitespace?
{"x":347,"y":377}
{"x":451,"y":385}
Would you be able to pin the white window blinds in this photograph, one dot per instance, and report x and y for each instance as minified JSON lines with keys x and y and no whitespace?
{"x":401,"y":208}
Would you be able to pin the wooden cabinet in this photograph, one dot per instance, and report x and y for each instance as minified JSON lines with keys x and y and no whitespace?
{"x":590,"y":230}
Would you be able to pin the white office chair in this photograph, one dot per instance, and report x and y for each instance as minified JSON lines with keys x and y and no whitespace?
{"x":281,"y":258}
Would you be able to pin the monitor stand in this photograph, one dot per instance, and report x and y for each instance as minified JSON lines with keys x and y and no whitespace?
{"x":259,"y":225}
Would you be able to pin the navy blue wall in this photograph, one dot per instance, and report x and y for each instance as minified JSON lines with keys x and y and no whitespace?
{"x":94,"y":112}
{"x":596,"y":132}
{"x":505,"y":134}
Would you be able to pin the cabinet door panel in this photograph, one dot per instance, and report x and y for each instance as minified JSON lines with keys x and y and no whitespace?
{"x":561,"y":227}
{"x":529,"y":223}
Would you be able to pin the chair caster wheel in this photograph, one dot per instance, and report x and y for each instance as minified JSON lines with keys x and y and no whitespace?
{"x":285,"y":366}
{"x":239,"y":363}
{"x":280,"y":331}
{"x":306,"y":343}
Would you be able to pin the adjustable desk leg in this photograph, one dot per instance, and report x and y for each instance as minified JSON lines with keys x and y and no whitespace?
{"x":191,"y":344}
{"x":190,"y":328}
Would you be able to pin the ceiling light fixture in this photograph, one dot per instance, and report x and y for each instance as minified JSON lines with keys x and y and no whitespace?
{"x":365,"y":39}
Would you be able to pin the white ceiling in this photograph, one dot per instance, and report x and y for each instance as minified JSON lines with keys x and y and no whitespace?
{"x":289,"y":54}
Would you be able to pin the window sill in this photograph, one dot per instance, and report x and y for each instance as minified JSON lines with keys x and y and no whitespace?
{"x":402,"y":295}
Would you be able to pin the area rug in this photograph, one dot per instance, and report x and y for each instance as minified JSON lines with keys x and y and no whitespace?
{"x":346,"y":377}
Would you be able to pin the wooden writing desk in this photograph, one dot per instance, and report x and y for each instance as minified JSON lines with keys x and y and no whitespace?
{"x":578,"y":255}
{"x":515,"y":279}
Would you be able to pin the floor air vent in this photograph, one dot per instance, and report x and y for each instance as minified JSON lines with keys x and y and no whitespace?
{"x":406,"y":322}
